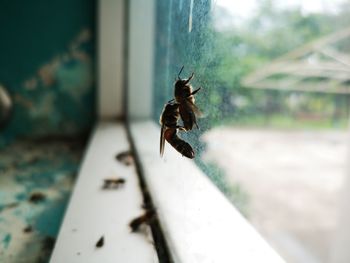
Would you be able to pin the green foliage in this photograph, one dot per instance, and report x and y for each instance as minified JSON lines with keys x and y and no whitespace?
{"x":234,"y":53}
{"x":220,"y":60}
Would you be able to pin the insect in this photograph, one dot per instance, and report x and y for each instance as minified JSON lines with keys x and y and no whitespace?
{"x":169,"y":122}
{"x":184,"y":95}
{"x":146,"y":218}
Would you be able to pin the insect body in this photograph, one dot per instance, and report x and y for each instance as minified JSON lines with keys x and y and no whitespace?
{"x":184,"y":95}
{"x":169,"y":122}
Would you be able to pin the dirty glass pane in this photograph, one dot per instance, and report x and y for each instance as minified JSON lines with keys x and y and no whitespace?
{"x":275,"y":96}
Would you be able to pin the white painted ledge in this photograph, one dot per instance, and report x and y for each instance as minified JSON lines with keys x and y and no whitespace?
{"x":93,"y":212}
{"x":199,"y":223}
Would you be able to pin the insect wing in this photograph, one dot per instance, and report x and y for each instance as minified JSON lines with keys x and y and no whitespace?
{"x":162,"y":140}
{"x":194,"y":108}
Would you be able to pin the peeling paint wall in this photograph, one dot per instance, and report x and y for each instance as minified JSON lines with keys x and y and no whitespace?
{"x":46,"y":168}
{"x":47,"y":56}
{"x":47,"y":64}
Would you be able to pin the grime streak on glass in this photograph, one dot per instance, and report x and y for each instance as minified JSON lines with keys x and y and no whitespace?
{"x":169,"y":41}
{"x":180,"y":5}
{"x":190,"y":18}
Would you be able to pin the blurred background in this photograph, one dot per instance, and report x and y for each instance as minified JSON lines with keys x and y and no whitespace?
{"x":275,"y":95}
{"x":47,"y":94}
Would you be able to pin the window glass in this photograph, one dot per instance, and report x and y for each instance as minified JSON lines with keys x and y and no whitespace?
{"x":275,"y":100}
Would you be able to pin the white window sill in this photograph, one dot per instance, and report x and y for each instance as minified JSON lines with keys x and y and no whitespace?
{"x":93,"y":212}
{"x":199,"y":223}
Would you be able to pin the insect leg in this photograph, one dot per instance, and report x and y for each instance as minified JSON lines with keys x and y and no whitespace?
{"x":194,"y":92}
{"x":181,"y":128}
{"x":195,"y":122}
{"x":177,"y":127}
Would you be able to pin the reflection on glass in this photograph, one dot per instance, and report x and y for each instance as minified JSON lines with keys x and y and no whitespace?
{"x":275,"y":95}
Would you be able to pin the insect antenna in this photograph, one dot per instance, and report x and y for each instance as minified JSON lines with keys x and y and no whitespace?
{"x":178,"y":75}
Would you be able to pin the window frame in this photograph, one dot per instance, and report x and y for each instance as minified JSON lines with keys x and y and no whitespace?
{"x":198,"y":222}
{"x":192,"y":226}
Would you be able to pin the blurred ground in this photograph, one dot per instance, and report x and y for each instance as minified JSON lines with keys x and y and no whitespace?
{"x":292,"y":179}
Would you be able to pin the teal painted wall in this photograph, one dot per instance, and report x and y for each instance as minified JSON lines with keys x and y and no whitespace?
{"x":47,"y":56}
{"x":48,"y":167}
{"x":47,"y":64}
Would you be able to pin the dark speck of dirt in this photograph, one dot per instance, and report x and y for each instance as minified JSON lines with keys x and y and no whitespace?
{"x":125,"y":157}
{"x":100,"y":242}
{"x":113,"y":183}
{"x":48,"y":243}
{"x":147,"y":218}
{"x":36,"y":197}
{"x":28,"y":229}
